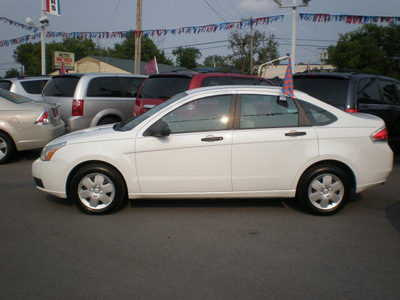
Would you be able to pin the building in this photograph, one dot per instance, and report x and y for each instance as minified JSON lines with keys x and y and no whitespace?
{"x":101,"y":64}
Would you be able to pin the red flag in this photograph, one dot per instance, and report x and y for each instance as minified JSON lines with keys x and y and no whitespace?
{"x":63,"y":70}
{"x":287,"y":84}
{"x":151,"y":66}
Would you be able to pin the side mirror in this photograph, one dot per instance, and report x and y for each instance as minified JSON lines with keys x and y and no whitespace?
{"x":158,"y":129}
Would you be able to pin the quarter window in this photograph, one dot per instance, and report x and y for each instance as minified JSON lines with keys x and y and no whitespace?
{"x":207,"y":114}
{"x":262,"y":111}
{"x":389,"y":92}
{"x":368,"y":91}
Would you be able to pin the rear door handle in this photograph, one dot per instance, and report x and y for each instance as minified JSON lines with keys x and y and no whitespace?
{"x":211,"y":138}
{"x":295,"y":133}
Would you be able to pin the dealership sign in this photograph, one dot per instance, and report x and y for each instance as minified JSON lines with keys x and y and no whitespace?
{"x":67,"y":57}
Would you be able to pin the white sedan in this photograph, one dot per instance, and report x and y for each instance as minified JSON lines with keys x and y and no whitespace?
{"x":221,"y":142}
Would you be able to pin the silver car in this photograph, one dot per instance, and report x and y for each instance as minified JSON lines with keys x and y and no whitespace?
{"x":92,"y":99}
{"x":30,"y":87}
{"x":26,"y":124}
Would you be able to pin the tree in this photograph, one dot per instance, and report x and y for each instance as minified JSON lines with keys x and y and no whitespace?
{"x":12,"y":73}
{"x":126,"y":50}
{"x":264,"y":49}
{"x":29,"y":54}
{"x":371,"y":48}
{"x":218,"y":62}
{"x":187,"y":57}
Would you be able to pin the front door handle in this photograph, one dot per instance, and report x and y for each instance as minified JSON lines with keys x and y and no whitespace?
{"x":211,"y":138}
{"x":295,"y":133}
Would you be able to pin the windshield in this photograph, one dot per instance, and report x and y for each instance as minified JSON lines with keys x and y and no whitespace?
{"x":328,"y":89}
{"x":164,"y":87}
{"x":15,"y":98}
{"x":61,"y":86}
{"x":139,"y":119}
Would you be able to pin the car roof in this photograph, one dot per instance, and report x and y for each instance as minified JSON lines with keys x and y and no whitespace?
{"x":340,"y":74}
{"x":188,"y":73}
{"x":229,"y":88}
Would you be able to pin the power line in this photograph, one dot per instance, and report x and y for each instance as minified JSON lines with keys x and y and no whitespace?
{"x":214,"y":10}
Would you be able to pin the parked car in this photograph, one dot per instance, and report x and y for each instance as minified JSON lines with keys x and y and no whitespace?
{"x":221,"y":142}
{"x":160,"y":87}
{"x":30,"y":87}
{"x":93,"y":99}
{"x":357,"y":92}
{"x":26,"y":124}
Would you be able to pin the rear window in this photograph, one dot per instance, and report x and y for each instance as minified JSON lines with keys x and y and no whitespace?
{"x":61,"y":86}
{"x":164,"y":87}
{"x":34,"y":86}
{"x":328,"y":89}
{"x":5,"y":85}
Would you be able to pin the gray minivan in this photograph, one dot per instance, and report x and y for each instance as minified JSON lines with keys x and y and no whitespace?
{"x":93,"y":99}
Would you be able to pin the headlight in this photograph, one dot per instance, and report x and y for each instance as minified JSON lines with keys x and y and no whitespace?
{"x":49,"y":151}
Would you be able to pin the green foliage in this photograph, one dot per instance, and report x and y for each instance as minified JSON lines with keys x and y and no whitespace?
{"x":12,"y":73}
{"x":218,"y":62}
{"x":371,"y":48}
{"x":187,"y":57}
{"x":264,"y":49}
{"x":29,"y":54}
{"x":126,"y":50}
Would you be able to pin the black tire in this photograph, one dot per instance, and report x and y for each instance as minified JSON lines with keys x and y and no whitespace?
{"x":324,"y":190}
{"x":108,"y":120}
{"x":97,"y":189}
{"x":7,"y":148}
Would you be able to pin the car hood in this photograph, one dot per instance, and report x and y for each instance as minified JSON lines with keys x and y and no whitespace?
{"x":92,"y":134}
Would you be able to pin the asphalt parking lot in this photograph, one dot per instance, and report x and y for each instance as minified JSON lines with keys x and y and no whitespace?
{"x":228,"y":249}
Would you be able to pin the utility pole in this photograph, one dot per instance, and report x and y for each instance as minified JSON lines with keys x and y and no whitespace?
{"x":251,"y":47}
{"x":138,"y":36}
{"x":294,"y":7}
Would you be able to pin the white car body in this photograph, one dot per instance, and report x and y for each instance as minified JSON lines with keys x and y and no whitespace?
{"x":262,"y":162}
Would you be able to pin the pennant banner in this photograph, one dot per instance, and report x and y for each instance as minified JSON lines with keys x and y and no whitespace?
{"x":14,"y":23}
{"x":155,"y":32}
{"x":348,"y":19}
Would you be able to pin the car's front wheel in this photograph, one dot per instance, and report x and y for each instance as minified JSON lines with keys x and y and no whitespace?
{"x":97,"y":189}
{"x":324,"y":190}
{"x":7,"y":148}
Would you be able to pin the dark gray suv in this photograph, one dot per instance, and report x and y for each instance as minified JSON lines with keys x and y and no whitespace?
{"x":357,"y":92}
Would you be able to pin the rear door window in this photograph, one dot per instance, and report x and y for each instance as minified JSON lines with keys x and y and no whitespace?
{"x":368,"y":91}
{"x":104,"y":87}
{"x":61,"y":86}
{"x":263,"y":111}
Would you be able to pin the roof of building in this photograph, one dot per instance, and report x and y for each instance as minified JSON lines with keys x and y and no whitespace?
{"x":129,"y":65}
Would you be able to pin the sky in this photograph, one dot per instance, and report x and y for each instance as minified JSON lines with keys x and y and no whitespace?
{"x":120,"y":15}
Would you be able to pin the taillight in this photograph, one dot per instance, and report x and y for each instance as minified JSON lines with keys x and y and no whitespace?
{"x":77,"y":107}
{"x":43,"y":118}
{"x":351,"y":110}
{"x":380,"y":136}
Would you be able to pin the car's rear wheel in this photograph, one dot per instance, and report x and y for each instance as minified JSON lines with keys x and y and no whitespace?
{"x":324,"y":190}
{"x":7,"y":148}
{"x":97,"y":189}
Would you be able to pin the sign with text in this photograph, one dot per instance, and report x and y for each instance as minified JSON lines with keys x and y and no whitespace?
{"x":67,"y":57}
